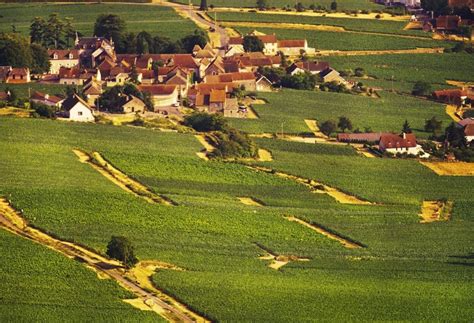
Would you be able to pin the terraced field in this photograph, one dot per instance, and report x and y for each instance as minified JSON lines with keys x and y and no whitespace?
{"x":288,"y":109}
{"x":217,"y":240}
{"x":157,"y":20}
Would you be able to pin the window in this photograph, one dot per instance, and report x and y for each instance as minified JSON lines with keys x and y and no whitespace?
{"x":79,"y":113}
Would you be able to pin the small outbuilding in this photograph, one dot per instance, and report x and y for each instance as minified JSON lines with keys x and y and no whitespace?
{"x":76,"y":109}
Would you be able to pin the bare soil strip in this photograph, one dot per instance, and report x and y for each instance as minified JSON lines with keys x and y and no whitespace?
{"x":433,"y":211}
{"x":450,"y":168}
{"x":250,"y":201}
{"x":120,"y":179}
{"x":313,"y":126}
{"x":316,"y":187}
{"x":345,"y":242}
{"x":278,"y":261}
{"x":365,"y":152}
{"x":161,"y":303}
{"x":207,"y":147}
{"x":452,"y":111}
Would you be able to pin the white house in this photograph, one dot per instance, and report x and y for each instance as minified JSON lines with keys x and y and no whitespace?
{"x":405,"y":143}
{"x":77,"y":109}
{"x":162,"y":95}
{"x":62,"y":58}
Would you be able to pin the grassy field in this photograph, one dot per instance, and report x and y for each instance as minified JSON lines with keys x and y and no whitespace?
{"x":23,"y":90}
{"x":213,"y":236}
{"x":156,"y":20}
{"x":350,"y":24}
{"x":342,"y":4}
{"x":328,"y":40}
{"x":407,"y":69}
{"x":41,"y":285}
{"x":291,"y":107}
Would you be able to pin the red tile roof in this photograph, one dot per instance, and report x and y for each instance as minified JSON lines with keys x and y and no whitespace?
{"x":217,"y":96}
{"x":39,"y":96}
{"x":390,"y":140}
{"x":469,"y":130}
{"x":236,"y":41}
{"x":158,"y":89}
{"x":268,"y":39}
{"x":292,"y":43}
{"x":63,"y":54}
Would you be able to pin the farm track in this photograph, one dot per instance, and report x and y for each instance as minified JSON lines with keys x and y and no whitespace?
{"x":96,"y":161}
{"x":336,"y":29}
{"x":161,"y":303}
{"x":436,"y":50}
{"x":331,"y":235}
{"x":315,"y":187}
{"x":278,"y":261}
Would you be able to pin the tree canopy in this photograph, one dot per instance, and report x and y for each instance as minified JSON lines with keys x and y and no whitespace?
{"x":110,"y":26}
{"x":252,"y":44}
{"x":121,"y":248}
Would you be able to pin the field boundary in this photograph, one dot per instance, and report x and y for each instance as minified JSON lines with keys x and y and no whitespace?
{"x":346,"y":242}
{"x":450,"y":168}
{"x":278,"y":261}
{"x":121,"y":179}
{"x":162,"y":304}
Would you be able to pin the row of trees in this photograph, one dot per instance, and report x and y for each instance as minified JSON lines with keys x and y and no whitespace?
{"x":113,"y":27}
{"x":16,"y":51}
{"x":54,"y":32}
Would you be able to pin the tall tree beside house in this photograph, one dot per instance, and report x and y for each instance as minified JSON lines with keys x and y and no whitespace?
{"x":144,"y":43}
{"x":327,"y":127}
{"x":203,"y":6}
{"x":40,"y":56}
{"x":54,"y":32}
{"x":69,"y":31}
{"x":252,"y":44}
{"x":197,"y":38}
{"x":15,"y":50}
{"x":433,"y":125}
{"x":344,"y":123}
{"x":421,"y":88}
{"x":37,"y":28}
{"x":406,"y":128}
{"x":110,"y":26}
{"x":261,"y":4}
{"x":134,"y":75}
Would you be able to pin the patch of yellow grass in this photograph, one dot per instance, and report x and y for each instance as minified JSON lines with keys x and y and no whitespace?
{"x":249,"y":201}
{"x":459,"y":83}
{"x":202,"y":140}
{"x":251,"y":113}
{"x":450,"y":168}
{"x":15,"y":112}
{"x":413,"y":25}
{"x":432,"y":211}
{"x":451,"y":111}
{"x":264,"y":155}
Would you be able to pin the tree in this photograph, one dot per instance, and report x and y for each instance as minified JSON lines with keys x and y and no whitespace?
{"x":299,"y":81}
{"x":455,"y":136}
{"x":261,"y":4}
{"x":334,"y":6}
{"x":344,"y":123}
{"x":69,"y":31}
{"x":37,"y":28}
{"x":110,"y":26}
{"x":121,"y":248}
{"x":144,"y":43}
{"x":204,"y":122}
{"x":433,"y":125}
{"x":15,"y":50}
{"x":284,"y":60}
{"x":253,"y":44}
{"x":203,"y":6}
{"x":299,"y":7}
{"x":52,"y":36}
{"x":359,"y":72}
{"x":197,"y":38}
{"x":40,"y":56}
{"x":421,"y":88}
{"x":437,"y":6}
{"x":406,"y":127}
{"x":134,"y":74}
{"x":328,"y":127}
{"x":44,"y":110}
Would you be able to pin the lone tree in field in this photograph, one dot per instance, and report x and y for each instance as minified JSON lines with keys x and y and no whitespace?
{"x":421,"y":88}
{"x":328,"y":127}
{"x":261,"y":4}
{"x":203,"y":5}
{"x":344,"y":123}
{"x":406,"y":127}
{"x":433,"y":125}
{"x":334,"y":5}
{"x":253,"y":44}
{"x":121,"y":248}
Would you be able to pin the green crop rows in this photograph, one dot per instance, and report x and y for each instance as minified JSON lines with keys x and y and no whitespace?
{"x":156,"y":20}
{"x":409,"y":271}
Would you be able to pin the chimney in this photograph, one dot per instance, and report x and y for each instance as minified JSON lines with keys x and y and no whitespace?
{"x":404,"y":135}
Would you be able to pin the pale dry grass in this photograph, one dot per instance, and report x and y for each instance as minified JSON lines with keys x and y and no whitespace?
{"x":450,"y":168}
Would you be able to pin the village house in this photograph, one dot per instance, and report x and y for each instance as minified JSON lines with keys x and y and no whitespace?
{"x":62,"y":58}
{"x":76,"y":109}
{"x":162,"y":95}
{"x":447,"y":23}
{"x":199,"y":94}
{"x":295,"y":47}
{"x":263,"y":84}
{"x":250,"y":62}
{"x":313,"y":67}
{"x":93,"y":50}
{"x":46,"y":99}
{"x":77,"y":76}
{"x":245,"y":80}
{"x":14,"y":75}
{"x":469,"y":133}
{"x":459,"y":97}
{"x":92,"y":89}
{"x":132,"y":104}
{"x":404,"y":143}
{"x":331,"y":75}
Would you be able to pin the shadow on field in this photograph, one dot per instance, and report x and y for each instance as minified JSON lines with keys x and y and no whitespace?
{"x":467,"y":260}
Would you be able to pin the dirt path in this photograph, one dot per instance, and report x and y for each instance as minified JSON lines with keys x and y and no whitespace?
{"x":96,"y":161}
{"x":250,"y":201}
{"x":278,"y":261}
{"x":433,"y":211}
{"x":207,"y":147}
{"x":365,"y":152}
{"x":313,"y":126}
{"x":162,"y":304}
{"x":451,"y":110}
{"x":450,"y":168}
{"x":316,"y":187}
{"x":334,"y":236}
